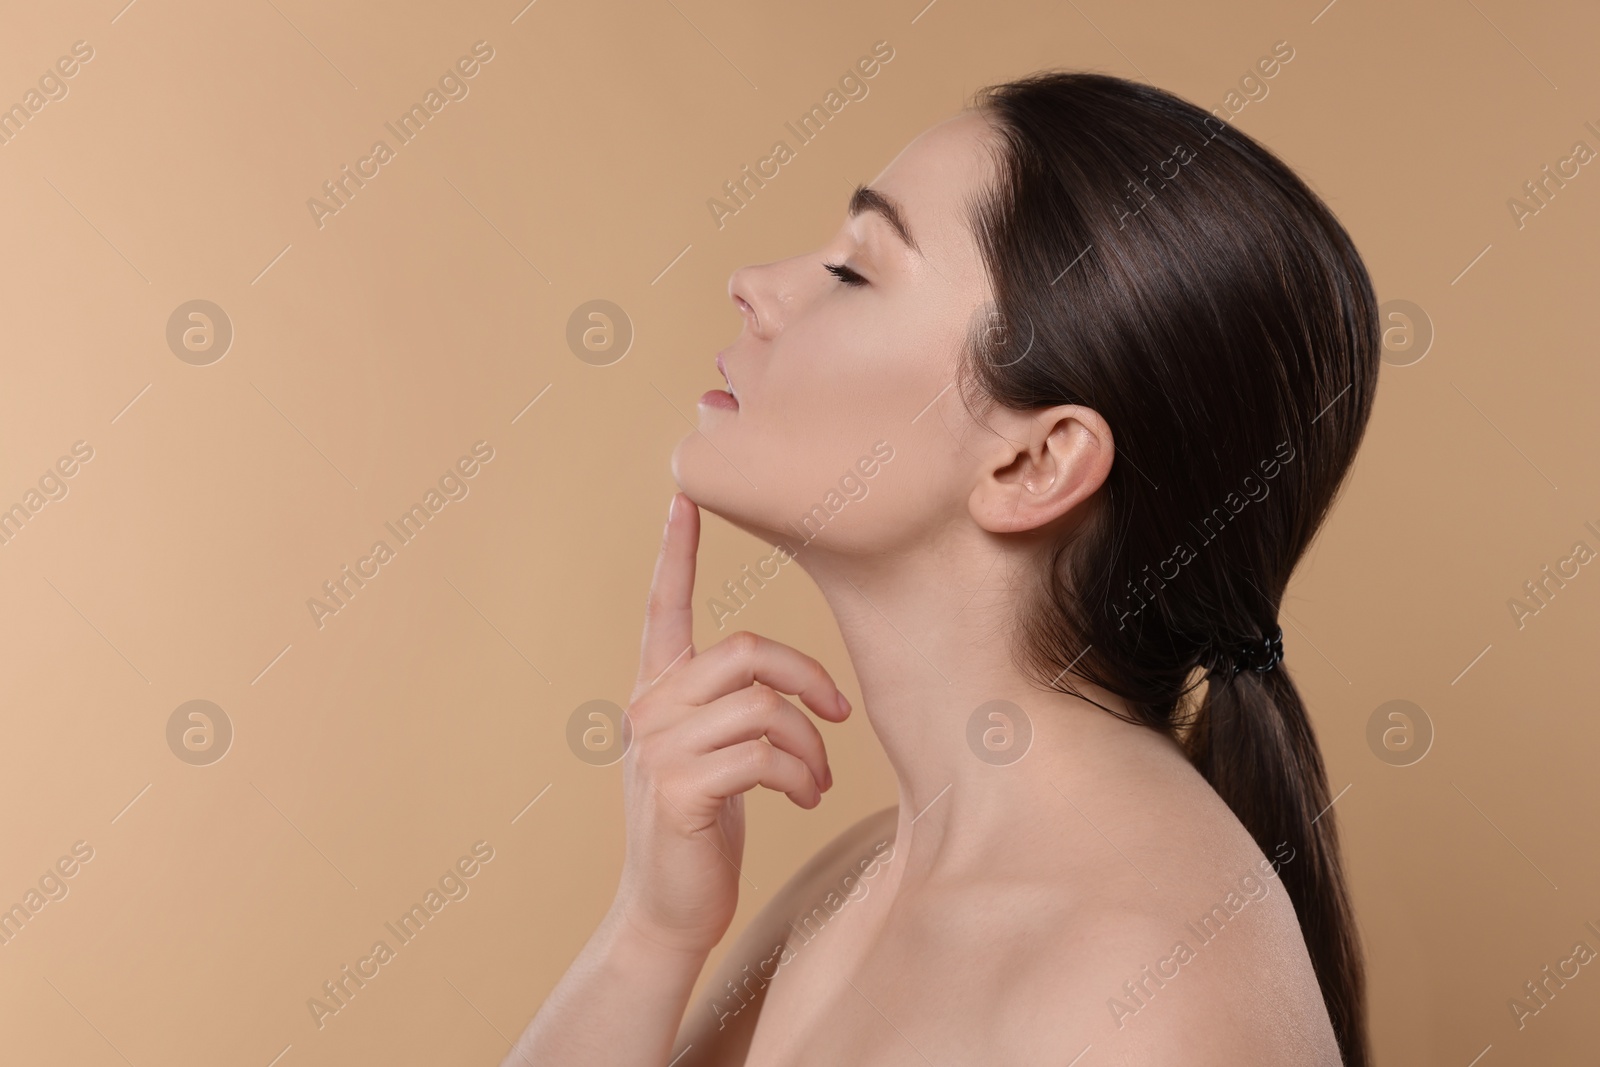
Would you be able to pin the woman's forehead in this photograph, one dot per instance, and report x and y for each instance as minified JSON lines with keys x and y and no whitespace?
{"x":935,"y":178}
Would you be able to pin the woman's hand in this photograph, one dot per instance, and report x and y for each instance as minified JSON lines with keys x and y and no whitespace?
{"x":698,"y":723}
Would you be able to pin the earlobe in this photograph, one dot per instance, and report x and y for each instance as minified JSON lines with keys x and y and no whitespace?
{"x":1046,"y":465}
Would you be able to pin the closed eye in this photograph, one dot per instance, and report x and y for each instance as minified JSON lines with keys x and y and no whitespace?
{"x":844,"y":274}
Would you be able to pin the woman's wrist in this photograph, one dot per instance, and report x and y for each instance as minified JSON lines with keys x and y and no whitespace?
{"x":622,"y":1000}
{"x":635,"y":943}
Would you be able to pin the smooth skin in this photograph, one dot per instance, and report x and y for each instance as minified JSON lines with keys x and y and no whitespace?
{"x":1018,"y":899}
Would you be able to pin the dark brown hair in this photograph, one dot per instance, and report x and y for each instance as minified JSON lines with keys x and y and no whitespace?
{"x":1152,"y":262}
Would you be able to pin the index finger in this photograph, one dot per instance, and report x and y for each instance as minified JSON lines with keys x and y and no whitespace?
{"x":668,"y":615}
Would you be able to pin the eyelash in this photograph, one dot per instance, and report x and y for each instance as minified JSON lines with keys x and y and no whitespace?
{"x":844,"y":274}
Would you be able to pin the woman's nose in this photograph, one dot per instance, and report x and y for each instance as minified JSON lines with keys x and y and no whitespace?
{"x":742,"y":290}
{"x":766,"y":294}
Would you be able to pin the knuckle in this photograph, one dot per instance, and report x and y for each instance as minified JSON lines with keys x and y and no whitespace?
{"x":743,"y":643}
{"x":766,"y":702}
{"x":763,"y":757}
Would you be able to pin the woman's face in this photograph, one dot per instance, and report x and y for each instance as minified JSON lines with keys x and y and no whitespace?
{"x":847,"y":427}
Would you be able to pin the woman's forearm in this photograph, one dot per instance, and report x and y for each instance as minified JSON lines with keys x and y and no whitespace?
{"x":619,"y":1004}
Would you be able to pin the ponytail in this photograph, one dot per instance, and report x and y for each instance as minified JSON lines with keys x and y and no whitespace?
{"x":1251,"y":739}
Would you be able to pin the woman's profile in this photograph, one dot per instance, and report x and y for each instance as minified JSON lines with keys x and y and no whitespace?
{"x":1119,"y":359}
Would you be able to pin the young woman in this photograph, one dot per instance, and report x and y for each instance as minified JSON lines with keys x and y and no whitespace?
{"x":1049,"y":421}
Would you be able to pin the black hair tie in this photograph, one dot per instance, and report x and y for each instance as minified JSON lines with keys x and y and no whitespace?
{"x":1261,"y":655}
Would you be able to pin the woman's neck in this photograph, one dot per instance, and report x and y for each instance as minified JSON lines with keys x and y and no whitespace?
{"x":929,"y":638}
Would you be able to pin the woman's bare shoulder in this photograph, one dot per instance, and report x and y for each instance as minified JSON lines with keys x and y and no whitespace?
{"x":717,"y":1029}
{"x":1215,"y":983}
{"x":1209,"y":968}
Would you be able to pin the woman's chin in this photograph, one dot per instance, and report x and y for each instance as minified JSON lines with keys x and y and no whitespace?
{"x":688,"y":466}
{"x":706,"y":477}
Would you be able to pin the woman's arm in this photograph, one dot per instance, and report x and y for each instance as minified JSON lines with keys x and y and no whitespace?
{"x":704,"y":730}
{"x":718,"y":1032}
{"x":619,"y":1003}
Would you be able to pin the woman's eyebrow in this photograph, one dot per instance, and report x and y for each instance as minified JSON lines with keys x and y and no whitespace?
{"x":866,"y":198}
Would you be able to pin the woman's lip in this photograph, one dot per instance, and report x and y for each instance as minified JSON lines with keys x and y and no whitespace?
{"x":720,"y":398}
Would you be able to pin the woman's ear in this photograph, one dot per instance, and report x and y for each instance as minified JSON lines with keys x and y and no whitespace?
{"x":1039,"y":466}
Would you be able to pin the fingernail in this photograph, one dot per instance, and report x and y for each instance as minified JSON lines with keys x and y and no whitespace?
{"x":672,"y":507}
{"x":844,"y":705}
{"x":827,"y":777}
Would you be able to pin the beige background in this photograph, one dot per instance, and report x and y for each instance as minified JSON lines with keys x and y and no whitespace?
{"x":369,"y":354}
